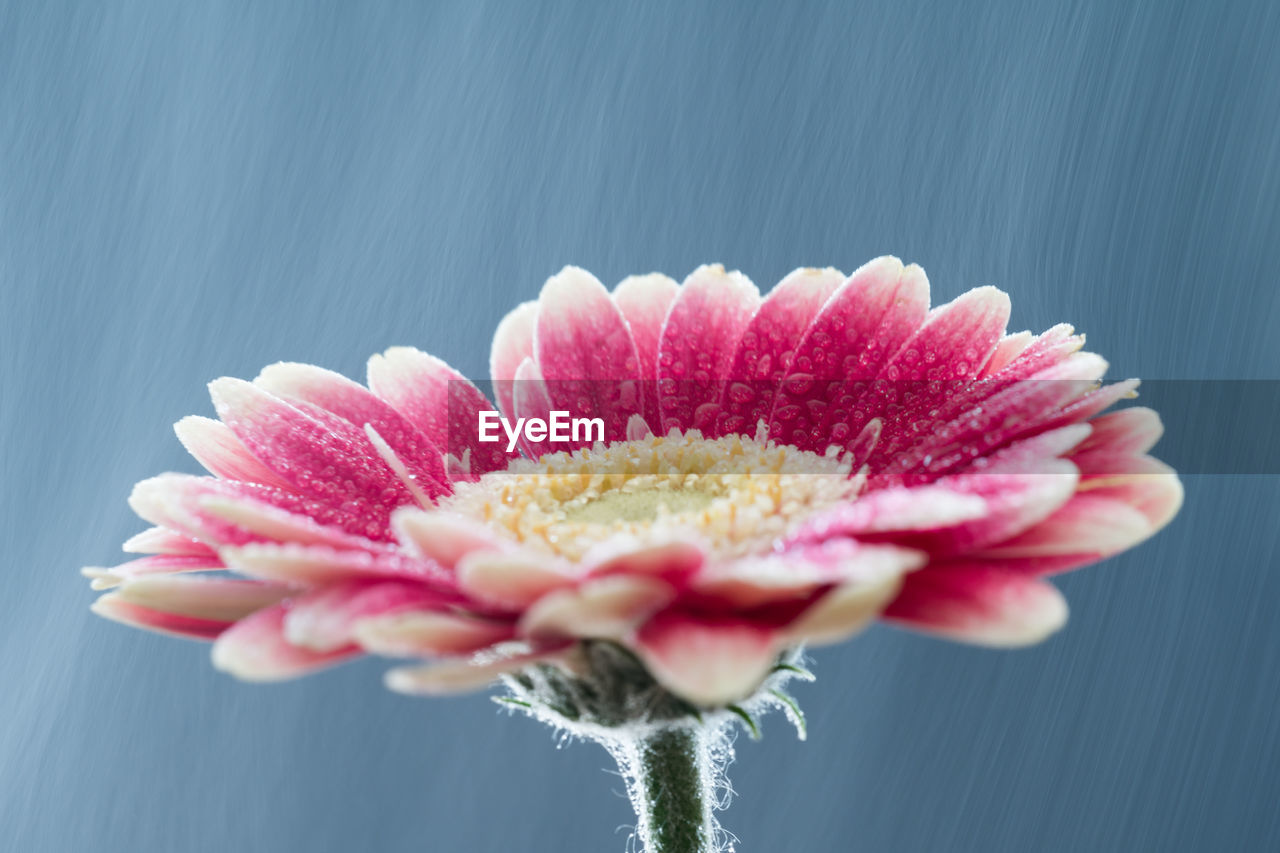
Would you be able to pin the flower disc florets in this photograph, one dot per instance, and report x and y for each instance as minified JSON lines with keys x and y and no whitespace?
{"x":739,"y":495}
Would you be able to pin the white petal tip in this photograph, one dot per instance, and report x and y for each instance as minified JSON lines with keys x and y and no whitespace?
{"x":102,"y":579}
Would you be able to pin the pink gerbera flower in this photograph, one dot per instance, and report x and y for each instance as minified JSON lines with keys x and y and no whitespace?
{"x":773,"y":473}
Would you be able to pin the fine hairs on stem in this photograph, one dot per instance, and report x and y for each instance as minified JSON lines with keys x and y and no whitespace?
{"x":671,"y":754}
{"x":675,"y":777}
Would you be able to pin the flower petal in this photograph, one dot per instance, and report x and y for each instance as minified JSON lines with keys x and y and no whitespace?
{"x":708,"y":661}
{"x":1134,"y":430}
{"x":586,"y":355}
{"x":982,"y":425}
{"x":861,"y":326}
{"x":425,"y":633}
{"x":863,"y":590}
{"x":602,"y":608}
{"x":513,"y":579}
{"x":338,"y":395}
{"x":1032,"y":355}
{"x":225,"y":512}
{"x":159,"y":564}
{"x":672,"y":561}
{"x":279,"y":525}
{"x":218,"y":599}
{"x":531,"y":399}
{"x":1148,"y":485}
{"x":458,"y":675}
{"x":798,"y":572}
{"x":512,"y":344}
{"x":160,"y":540}
{"x":768,"y":345}
{"x":325,"y":457}
{"x":324,"y":620}
{"x":216,"y":447}
{"x":644,"y":301}
{"x":1013,"y":502}
{"x":944,"y":356}
{"x":309,"y":565}
{"x":1009,"y":348}
{"x":440,"y":402}
{"x":893,"y":510}
{"x":442,"y":537}
{"x":112,"y":606}
{"x":255,"y":649}
{"x":980,"y":605}
{"x":699,"y":340}
{"x":1085,"y":406}
{"x":1088,"y":525}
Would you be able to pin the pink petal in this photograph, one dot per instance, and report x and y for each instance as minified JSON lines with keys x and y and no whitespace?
{"x":893,"y":510}
{"x":440,"y":402}
{"x":531,"y":399}
{"x":171,"y":501}
{"x":216,"y":598}
{"x":673,"y":562}
{"x":255,"y":649}
{"x":513,"y":579}
{"x":443,"y":537}
{"x":271,"y":523}
{"x":1148,"y":485}
{"x":1026,"y":454}
{"x":1134,"y":430}
{"x":1086,"y":529}
{"x":1032,"y":356}
{"x":944,"y":356}
{"x":1012,"y":503}
{"x":708,"y":661}
{"x":1085,"y":406}
{"x":111,"y":606}
{"x":159,"y":540}
{"x":1046,"y":363}
{"x":216,"y":447}
{"x":310,"y":565}
{"x":977,"y":604}
{"x":602,"y":608}
{"x":161,"y":564}
{"x":982,"y":415}
{"x":798,"y":572}
{"x":843,"y":611}
{"x":338,"y":395}
{"x":459,"y":675}
{"x":224,"y":512}
{"x":512,"y":344}
{"x":1018,"y":487}
{"x":862,"y":325}
{"x":586,"y":355}
{"x":698,"y":343}
{"x":768,"y":345}
{"x":1021,"y":410}
{"x":426,"y":633}
{"x":1015,"y":502}
{"x":1009,"y":348}
{"x":324,"y":457}
{"x":644,"y":301}
{"x":324,"y":620}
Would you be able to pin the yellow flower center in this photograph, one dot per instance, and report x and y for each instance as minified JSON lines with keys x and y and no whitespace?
{"x":737,"y":495}
{"x":640,"y":504}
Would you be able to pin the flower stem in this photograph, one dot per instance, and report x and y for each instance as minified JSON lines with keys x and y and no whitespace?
{"x":670,"y":777}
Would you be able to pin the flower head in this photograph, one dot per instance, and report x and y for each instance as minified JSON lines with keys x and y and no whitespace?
{"x":765,"y":474}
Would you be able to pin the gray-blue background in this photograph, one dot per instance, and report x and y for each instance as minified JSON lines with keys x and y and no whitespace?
{"x":194,"y":190}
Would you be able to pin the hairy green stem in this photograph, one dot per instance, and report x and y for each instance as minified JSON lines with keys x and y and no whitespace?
{"x":670,"y":779}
